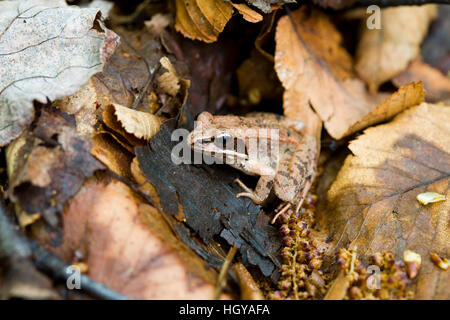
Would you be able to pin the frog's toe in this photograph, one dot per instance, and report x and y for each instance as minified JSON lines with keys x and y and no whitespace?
{"x":250,"y":195}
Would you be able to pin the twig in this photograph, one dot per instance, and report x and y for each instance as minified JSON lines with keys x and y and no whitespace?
{"x":14,"y":246}
{"x":51,"y":264}
{"x":224,"y":271}
{"x":149,"y":84}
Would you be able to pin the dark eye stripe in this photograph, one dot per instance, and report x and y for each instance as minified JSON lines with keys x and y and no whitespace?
{"x":206,"y":140}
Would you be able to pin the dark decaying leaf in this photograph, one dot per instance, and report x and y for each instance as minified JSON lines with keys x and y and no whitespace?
{"x":48,"y":50}
{"x":436,"y":46}
{"x":335,"y":4}
{"x":211,"y":69}
{"x":207,"y":196}
{"x":48,"y":165}
{"x":128,"y":70}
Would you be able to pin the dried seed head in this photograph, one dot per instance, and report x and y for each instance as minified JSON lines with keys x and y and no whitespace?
{"x":376,"y":259}
{"x":285,"y":285}
{"x":412,"y":262}
{"x":284,"y":230}
{"x":442,"y":263}
{"x":355,"y":293}
{"x":314,"y":264}
{"x":288,"y":241}
{"x":310,"y":288}
{"x":286,"y":254}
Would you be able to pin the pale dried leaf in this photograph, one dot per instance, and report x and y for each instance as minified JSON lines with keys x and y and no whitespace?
{"x":168,"y":81}
{"x":247,"y":13}
{"x":142,"y":125}
{"x":158,"y":22}
{"x":82,"y":105}
{"x":383,"y":53}
{"x":407,"y":96}
{"x":372,"y":203}
{"x":316,"y":71}
{"x":48,"y":50}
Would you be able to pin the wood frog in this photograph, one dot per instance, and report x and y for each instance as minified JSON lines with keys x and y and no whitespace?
{"x":262,"y":144}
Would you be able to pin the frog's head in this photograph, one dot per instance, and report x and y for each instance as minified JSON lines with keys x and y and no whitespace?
{"x":217,"y":136}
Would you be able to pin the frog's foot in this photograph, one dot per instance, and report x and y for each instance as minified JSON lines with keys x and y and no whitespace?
{"x":282,"y":210}
{"x":249,"y":193}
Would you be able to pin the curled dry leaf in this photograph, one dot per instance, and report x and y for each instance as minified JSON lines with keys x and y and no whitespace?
{"x":169,"y":81}
{"x":202,"y":19}
{"x":436,"y":84}
{"x":112,"y":154}
{"x":141,"y":125}
{"x":385,"y":52}
{"x":59,"y":53}
{"x":316,"y":71}
{"x":372,"y":202}
{"x":407,"y":96}
{"x":128,"y":246}
{"x":247,"y":13}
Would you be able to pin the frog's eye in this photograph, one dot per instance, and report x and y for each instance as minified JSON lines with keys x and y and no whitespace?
{"x":223,"y":141}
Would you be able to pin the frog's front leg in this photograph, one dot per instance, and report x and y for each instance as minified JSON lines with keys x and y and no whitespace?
{"x":261,"y":192}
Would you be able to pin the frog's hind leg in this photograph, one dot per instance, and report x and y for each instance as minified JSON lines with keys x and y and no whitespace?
{"x":261,"y":192}
{"x":295,"y":173}
{"x":303,"y":194}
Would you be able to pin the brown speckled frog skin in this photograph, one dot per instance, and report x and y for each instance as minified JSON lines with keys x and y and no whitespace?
{"x":285,"y":162}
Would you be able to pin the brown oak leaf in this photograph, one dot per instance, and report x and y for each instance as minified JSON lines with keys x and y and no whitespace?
{"x":372,"y":203}
{"x":317,"y":72}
